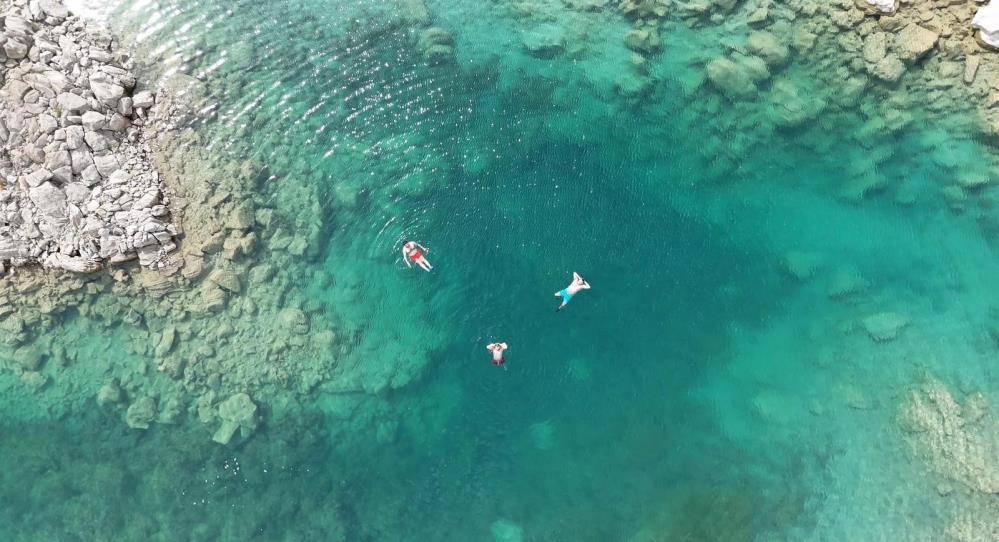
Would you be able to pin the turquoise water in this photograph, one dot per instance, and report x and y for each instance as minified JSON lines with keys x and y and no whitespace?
{"x":699,"y":391}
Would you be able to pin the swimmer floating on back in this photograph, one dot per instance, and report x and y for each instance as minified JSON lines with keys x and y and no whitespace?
{"x":413,"y":252}
{"x":497,"y":350}
{"x":578,"y":283}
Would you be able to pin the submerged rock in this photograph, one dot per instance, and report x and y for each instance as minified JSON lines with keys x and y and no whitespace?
{"x":914,"y":41}
{"x":109,"y":394}
{"x":504,"y":530}
{"x":766,"y":46}
{"x":547,"y":41}
{"x":802,"y":265}
{"x":730,"y":78}
{"x":884,"y":326}
{"x":237,"y":413}
{"x":141,"y":413}
{"x":643,"y":41}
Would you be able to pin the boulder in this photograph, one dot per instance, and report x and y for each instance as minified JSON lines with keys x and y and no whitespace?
{"x":884,"y":326}
{"x":141,"y":413}
{"x":730,"y":78}
{"x":986,"y":21}
{"x":107,"y":92}
{"x":545,"y":42}
{"x":50,"y":200}
{"x":878,"y":6}
{"x":225,"y":279}
{"x":72,"y":102}
{"x":109,"y":394}
{"x":237,"y":413}
{"x":766,"y":46}
{"x":643,"y":41}
{"x":76,"y":264}
{"x":143,"y":99}
{"x":889,"y":69}
{"x":914,"y":41}
{"x":633,"y":86}
{"x":29,"y":359}
{"x":37,"y":177}
{"x":294,"y":321}
{"x":14,"y":49}
{"x":93,"y":120}
{"x":875,"y":47}
{"x":53,"y":8}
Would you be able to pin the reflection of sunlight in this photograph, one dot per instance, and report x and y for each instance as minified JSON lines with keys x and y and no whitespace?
{"x":101,"y":9}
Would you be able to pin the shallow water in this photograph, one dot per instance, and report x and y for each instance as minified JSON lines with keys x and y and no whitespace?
{"x":697,"y":392}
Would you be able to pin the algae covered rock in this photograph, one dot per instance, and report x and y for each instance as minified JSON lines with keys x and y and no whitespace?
{"x":237,"y":413}
{"x":141,"y":413}
{"x":109,"y":394}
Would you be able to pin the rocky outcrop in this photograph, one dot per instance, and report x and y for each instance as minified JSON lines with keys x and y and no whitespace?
{"x":77,"y":189}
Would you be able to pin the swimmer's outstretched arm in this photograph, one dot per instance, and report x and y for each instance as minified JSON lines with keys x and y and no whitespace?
{"x":405,"y":258}
{"x":425,"y":249}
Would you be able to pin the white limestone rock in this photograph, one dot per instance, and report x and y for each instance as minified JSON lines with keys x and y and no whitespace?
{"x":53,"y":8}
{"x":93,"y":120}
{"x":142,"y":99}
{"x":107,"y":92}
{"x":879,"y":6}
{"x":986,"y":21}
{"x":72,"y":102}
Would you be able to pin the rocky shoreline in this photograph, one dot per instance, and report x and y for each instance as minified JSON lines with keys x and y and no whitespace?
{"x":78,"y":190}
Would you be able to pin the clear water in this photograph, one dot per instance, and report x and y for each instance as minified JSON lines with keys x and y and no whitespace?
{"x":697,"y":392}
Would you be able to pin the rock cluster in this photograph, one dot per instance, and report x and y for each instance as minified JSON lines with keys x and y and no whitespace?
{"x":77,"y":188}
